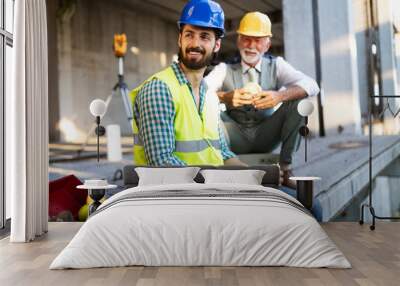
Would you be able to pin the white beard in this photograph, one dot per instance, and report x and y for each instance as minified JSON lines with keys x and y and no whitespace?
{"x":250,"y":59}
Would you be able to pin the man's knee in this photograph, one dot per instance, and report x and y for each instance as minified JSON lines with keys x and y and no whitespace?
{"x":291,"y":113}
{"x":292,"y":104}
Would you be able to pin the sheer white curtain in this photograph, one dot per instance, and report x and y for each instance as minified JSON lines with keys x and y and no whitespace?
{"x":27,"y":124}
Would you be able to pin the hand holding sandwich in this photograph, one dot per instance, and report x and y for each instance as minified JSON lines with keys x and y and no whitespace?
{"x":267,"y":99}
{"x":251,"y":94}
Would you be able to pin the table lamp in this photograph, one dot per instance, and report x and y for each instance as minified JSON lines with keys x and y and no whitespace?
{"x":97,"y":187}
{"x":305,"y":108}
{"x":98,"y":109}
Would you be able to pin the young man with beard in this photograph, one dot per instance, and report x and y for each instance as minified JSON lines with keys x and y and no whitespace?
{"x":174,"y":122}
{"x":260,"y":121}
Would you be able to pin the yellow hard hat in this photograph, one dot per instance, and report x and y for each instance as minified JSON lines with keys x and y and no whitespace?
{"x":255,"y":24}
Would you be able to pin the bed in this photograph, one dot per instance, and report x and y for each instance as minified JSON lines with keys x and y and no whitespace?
{"x":201,"y":224}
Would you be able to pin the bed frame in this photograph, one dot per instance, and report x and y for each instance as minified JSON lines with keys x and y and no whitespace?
{"x":270,"y":179}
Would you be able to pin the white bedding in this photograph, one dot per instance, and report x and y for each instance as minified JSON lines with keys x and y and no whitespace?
{"x":208,"y":230}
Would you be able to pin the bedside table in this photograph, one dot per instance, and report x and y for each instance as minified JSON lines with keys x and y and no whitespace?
{"x":305,"y":190}
{"x":96,"y":191}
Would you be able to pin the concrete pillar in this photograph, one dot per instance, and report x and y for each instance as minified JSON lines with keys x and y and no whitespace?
{"x":363,"y":53}
{"x":299,"y":35}
{"x":67,"y":126}
{"x":386,"y":46}
{"x":339,"y":66}
{"x":339,"y":70}
{"x":51,"y":6}
{"x":397,"y":44}
{"x":387,"y":52}
{"x":299,"y":43}
{"x":396,"y":22}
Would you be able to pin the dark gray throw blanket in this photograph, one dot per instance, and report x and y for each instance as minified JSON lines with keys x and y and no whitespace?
{"x":204,"y":194}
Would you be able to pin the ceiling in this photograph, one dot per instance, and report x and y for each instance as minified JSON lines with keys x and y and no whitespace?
{"x":170,"y":10}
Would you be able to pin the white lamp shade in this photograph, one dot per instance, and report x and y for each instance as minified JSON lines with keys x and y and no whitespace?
{"x":305,"y":107}
{"x":97,"y":107}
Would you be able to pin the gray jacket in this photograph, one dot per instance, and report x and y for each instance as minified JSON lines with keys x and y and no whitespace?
{"x":248,"y":115}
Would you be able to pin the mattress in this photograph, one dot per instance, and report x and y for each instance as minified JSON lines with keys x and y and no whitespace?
{"x":201,"y":225}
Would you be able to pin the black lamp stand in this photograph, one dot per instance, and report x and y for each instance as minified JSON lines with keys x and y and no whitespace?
{"x":369,"y":205}
{"x":304,"y":131}
{"x":100,"y":131}
{"x":96,"y":195}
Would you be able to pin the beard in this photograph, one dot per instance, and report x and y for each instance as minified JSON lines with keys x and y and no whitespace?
{"x":194,"y":64}
{"x":250,"y":59}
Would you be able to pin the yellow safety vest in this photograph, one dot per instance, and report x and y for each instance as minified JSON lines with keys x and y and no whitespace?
{"x":196,"y":136}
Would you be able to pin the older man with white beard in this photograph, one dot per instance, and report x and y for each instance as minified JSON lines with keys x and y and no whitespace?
{"x":261,"y":94}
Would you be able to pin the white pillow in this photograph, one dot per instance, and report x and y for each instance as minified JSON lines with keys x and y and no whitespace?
{"x":166,"y":176}
{"x":248,"y":177}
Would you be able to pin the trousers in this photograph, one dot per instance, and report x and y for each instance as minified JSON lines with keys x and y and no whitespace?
{"x":282,"y":127}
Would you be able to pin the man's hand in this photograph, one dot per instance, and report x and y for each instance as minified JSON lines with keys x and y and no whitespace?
{"x":267,"y":99}
{"x":236,"y":98}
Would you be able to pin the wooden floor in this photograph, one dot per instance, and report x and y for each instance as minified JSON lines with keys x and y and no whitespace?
{"x":374,"y":255}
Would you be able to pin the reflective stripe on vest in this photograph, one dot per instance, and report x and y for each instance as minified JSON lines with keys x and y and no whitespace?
{"x":187,"y":146}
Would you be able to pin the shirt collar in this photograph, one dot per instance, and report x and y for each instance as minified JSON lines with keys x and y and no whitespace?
{"x":180,"y":75}
{"x":246,"y":67}
{"x":182,"y":79}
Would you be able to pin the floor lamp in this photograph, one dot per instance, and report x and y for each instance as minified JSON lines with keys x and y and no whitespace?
{"x":369,"y":205}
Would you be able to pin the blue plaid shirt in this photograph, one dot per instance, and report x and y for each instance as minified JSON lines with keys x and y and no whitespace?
{"x":154,"y":114}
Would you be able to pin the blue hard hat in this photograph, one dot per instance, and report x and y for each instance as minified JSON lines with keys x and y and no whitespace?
{"x":203,"y":13}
